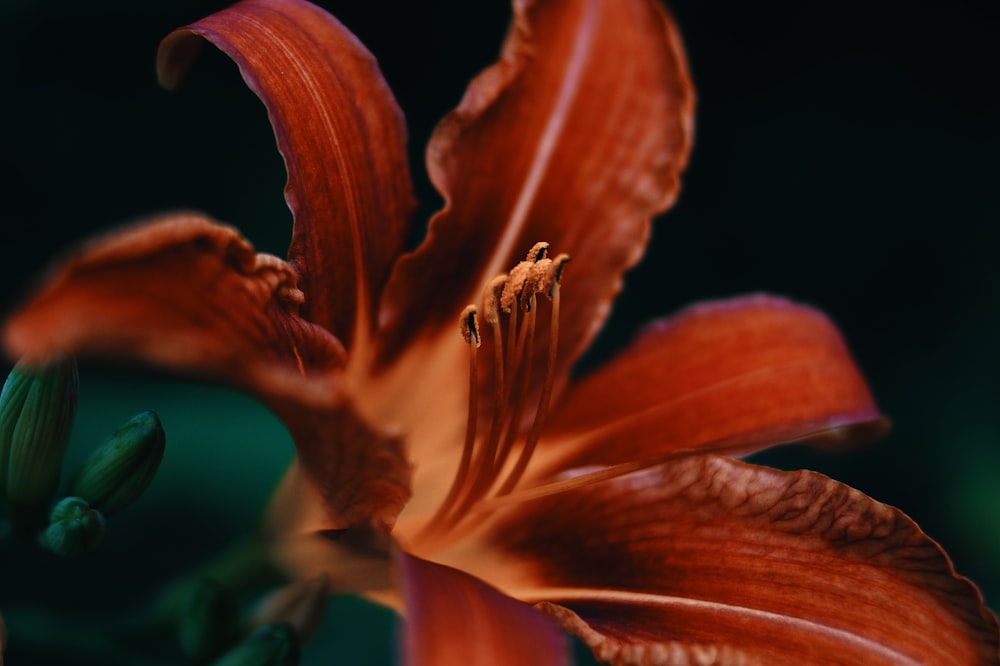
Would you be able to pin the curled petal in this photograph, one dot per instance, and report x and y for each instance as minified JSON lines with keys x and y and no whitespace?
{"x":453,"y":619}
{"x":577,"y":136}
{"x":191,"y":296}
{"x":341,"y":135}
{"x":732,"y":376}
{"x":181,"y":292}
{"x":781,"y":567}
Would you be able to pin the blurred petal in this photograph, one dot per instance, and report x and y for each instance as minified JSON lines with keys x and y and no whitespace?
{"x":733,"y":376}
{"x":786,"y":567}
{"x":453,"y":619}
{"x":354,"y":472}
{"x":191,"y":296}
{"x":577,"y":136}
{"x":341,"y":135}
{"x":181,"y":292}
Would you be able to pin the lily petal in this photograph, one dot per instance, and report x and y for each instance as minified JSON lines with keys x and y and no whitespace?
{"x":359,"y":471}
{"x":341,"y":135}
{"x":181,"y":292}
{"x":191,"y":296}
{"x":786,"y":567}
{"x":453,"y":619}
{"x":734,"y":376}
{"x":577,"y":136}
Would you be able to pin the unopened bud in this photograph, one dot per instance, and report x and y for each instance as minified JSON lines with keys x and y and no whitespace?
{"x":37,"y":407}
{"x":209,"y":621}
{"x":74,"y":528}
{"x":120,"y":470}
{"x":301,"y":604}
{"x":271,"y":645}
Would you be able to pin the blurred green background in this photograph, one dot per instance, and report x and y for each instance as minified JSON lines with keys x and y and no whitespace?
{"x":845,"y":157}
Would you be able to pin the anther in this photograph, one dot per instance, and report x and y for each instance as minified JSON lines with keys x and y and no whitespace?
{"x":538,"y":252}
{"x":470,"y":325}
{"x":554,"y":274}
{"x":534,"y":283}
{"x":491,"y":299}
{"x":515,"y":284}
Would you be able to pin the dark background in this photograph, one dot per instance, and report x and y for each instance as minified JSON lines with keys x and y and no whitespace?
{"x":846,"y":156}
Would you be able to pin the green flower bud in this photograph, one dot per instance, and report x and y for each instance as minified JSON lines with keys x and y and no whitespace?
{"x":120,"y":470}
{"x":271,"y":645}
{"x":37,"y":406}
{"x":209,"y":620}
{"x":74,"y":528}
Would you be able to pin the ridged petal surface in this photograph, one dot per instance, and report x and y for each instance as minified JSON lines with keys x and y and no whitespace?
{"x":343,"y":140}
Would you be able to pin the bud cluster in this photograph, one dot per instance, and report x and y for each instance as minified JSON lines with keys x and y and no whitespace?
{"x":37,"y":408}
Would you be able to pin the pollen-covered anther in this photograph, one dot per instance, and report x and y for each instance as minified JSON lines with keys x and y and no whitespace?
{"x":515,"y":285}
{"x":491,"y":299}
{"x":538,"y":252}
{"x":469,"y":323}
{"x":553,"y":275}
{"x":534,"y":283}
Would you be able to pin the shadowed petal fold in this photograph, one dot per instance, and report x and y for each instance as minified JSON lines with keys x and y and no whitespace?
{"x":782,"y":567}
{"x":453,"y":619}
{"x":577,"y":136}
{"x":734,"y":376}
{"x":341,"y":135}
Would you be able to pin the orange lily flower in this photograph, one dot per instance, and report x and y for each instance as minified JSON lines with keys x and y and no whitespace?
{"x":460,"y":474}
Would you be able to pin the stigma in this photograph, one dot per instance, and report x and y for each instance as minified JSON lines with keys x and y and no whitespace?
{"x":494,"y":458}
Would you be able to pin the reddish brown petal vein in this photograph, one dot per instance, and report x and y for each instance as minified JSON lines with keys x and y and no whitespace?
{"x":563,"y":594}
{"x":362,"y":322}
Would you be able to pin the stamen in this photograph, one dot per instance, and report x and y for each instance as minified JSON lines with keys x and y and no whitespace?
{"x":470,"y":331}
{"x":470,"y":326}
{"x":481,"y":468}
{"x":533,"y":283}
{"x":521,"y":363}
{"x":538,"y":252}
{"x":553,"y":276}
{"x":514,"y":286}
{"x":491,"y":308}
{"x":491,"y":300}
{"x":485,"y":460}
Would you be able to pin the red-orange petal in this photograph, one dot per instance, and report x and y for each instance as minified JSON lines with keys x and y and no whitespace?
{"x":453,"y":619}
{"x":784,"y":567}
{"x":733,"y":376}
{"x":191,"y":296}
{"x":577,"y":136}
{"x":181,"y":292}
{"x":341,"y":135}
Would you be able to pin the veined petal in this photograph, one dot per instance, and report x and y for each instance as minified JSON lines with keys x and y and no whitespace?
{"x":734,"y":376}
{"x":783,"y":567}
{"x":453,"y":619}
{"x":190,"y":295}
{"x":181,"y":292}
{"x":577,"y":136}
{"x":341,"y":135}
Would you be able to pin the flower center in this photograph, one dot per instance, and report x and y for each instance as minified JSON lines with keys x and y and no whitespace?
{"x":493,"y":463}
